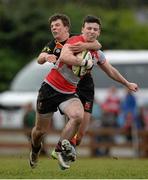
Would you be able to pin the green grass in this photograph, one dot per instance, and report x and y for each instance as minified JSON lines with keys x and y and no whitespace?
{"x":86,"y":168}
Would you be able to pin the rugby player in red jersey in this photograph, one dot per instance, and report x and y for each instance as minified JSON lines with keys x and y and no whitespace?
{"x":60,"y":26}
{"x":59,"y":90}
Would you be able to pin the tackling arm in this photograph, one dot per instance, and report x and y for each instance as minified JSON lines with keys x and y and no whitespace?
{"x":47,"y":53}
{"x":42,"y":58}
{"x":45,"y":57}
{"x":81,"y":46}
{"x":92,"y":45}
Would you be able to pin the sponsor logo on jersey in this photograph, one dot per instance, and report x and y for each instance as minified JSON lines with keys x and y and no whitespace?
{"x":87,"y":106}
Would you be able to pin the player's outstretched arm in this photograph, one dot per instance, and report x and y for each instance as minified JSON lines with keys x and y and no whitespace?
{"x":113,"y":73}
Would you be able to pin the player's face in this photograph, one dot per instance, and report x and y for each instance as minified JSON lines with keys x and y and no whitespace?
{"x":90,"y":31}
{"x":58,"y":30}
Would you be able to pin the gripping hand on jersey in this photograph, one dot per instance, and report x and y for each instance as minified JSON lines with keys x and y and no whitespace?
{"x":45,"y":57}
{"x":51,"y":58}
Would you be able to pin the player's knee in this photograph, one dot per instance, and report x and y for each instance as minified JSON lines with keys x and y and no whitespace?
{"x":77,"y":116}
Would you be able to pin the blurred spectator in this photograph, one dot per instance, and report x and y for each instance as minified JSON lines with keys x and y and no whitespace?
{"x":143,"y":117}
{"x":128,"y":105}
{"x":128,"y":115}
{"x":96,"y":111}
{"x":29,"y":121}
{"x":96,"y":114}
{"x":111,"y":108}
{"x":106,"y":116}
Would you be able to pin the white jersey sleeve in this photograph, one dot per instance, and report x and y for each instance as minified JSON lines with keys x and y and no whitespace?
{"x":99,"y":58}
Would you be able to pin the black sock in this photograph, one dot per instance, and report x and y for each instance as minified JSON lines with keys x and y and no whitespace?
{"x":58,"y":147}
{"x":35,"y":149}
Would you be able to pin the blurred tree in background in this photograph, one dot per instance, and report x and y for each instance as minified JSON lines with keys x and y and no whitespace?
{"x":24,"y":27}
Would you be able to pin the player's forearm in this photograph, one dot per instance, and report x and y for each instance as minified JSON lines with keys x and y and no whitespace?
{"x":76,"y":60}
{"x":68,"y":57}
{"x":115,"y":75}
{"x":119,"y":78}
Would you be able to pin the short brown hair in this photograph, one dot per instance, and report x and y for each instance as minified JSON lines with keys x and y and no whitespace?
{"x":91,"y":19}
{"x":64,"y":18}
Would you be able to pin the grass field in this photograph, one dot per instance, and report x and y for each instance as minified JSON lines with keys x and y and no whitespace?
{"x":86,"y":168}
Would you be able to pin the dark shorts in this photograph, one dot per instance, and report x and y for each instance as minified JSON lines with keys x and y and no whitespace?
{"x":49,"y":99}
{"x":85,"y":91}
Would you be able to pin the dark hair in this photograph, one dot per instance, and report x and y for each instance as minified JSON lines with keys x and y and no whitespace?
{"x":65,"y":19}
{"x":91,"y":19}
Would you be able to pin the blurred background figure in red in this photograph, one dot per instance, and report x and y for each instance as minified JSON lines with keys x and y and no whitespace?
{"x":111,"y":108}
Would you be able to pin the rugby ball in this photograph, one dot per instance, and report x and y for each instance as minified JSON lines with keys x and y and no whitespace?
{"x":81,"y":70}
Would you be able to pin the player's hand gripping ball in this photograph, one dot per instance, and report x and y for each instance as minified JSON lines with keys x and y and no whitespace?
{"x":87,"y":64}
